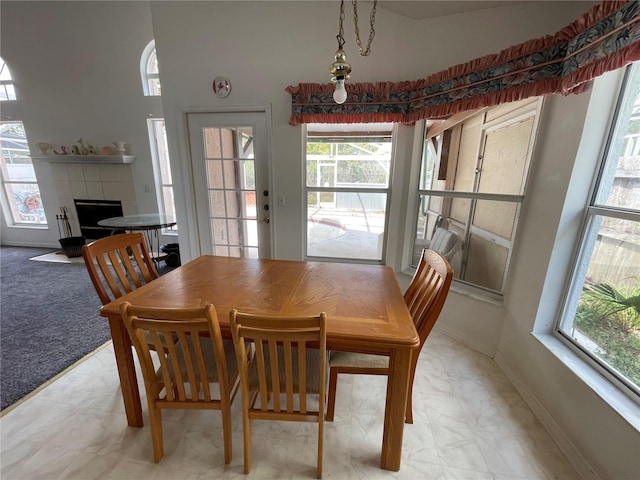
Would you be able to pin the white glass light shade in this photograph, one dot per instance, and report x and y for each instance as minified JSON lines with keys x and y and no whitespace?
{"x":340,"y":94}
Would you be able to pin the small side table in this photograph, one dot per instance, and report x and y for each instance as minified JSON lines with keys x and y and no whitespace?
{"x":148,"y":223}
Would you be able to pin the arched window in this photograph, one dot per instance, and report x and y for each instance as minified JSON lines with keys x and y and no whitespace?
{"x":149,"y":71}
{"x":21,"y":202}
{"x":7,"y":91}
{"x":158,"y":135}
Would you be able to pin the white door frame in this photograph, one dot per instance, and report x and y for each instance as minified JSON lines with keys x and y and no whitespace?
{"x":192,"y":231}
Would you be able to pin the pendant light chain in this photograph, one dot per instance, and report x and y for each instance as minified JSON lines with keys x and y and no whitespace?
{"x":372,"y":20}
{"x":340,"y":35}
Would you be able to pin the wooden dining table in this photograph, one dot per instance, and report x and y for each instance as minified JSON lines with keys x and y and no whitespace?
{"x":364,"y":306}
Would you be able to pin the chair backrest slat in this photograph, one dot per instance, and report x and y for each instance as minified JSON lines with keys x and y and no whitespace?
{"x":274,"y":367}
{"x":262,"y":376}
{"x":118,"y":265}
{"x":302,"y":377}
{"x":288,"y":375}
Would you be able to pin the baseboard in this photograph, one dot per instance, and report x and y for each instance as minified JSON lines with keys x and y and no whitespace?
{"x":453,"y":333}
{"x":27,"y":244}
{"x":577,"y":460}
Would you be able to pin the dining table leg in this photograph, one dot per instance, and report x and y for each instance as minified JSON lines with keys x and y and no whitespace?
{"x":394,"y":413}
{"x":126,"y":371}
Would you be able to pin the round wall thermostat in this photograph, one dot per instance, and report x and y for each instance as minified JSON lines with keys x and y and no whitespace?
{"x":221,"y":87}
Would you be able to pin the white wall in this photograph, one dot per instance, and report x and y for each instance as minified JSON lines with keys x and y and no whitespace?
{"x":566,"y":159}
{"x":263,"y":47}
{"x":76,"y":70}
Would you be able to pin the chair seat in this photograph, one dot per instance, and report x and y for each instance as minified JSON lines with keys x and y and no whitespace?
{"x":357,"y":360}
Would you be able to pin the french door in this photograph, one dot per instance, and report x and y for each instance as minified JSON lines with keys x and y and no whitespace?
{"x":230,"y":165}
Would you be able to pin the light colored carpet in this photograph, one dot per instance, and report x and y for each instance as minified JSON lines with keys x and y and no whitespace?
{"x":57,"y":257}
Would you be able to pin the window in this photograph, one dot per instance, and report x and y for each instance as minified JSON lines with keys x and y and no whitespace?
{"x":348,"y":171}
{"x":21,"y":203}
{"x":162,"y":169}
{"x":472,"y":184}
{"x":150,"y":76}
{"x":19,"y":184}
{"x":149,"y":71}
{"x":601,"y":314}
{"x":7,"y":91}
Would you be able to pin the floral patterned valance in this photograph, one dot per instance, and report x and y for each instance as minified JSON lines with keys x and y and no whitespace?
{"x":603,"y":39}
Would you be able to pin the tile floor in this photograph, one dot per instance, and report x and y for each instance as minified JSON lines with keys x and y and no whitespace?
{"x":469,"y":423}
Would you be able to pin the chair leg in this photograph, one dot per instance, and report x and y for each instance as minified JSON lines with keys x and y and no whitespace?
{"x":155,"y":421}
{"x":331,"y":401}
{"x":409,"y":407}
{"x":226,"y":432}
{"x":320,"y":445}
{"x":246,"y":435}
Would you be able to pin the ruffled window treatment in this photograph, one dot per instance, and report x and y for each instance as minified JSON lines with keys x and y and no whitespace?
{"x":605,"y":38}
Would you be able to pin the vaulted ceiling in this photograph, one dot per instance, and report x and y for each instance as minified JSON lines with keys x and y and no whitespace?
{"x":430,"y":9}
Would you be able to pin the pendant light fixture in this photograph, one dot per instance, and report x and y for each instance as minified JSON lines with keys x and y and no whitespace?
{"x":340,"y":68}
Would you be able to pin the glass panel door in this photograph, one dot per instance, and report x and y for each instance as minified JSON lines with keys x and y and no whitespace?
{"x":231,"y":187}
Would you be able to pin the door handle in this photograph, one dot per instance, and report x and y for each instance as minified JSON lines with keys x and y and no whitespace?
{"x":266,"y":220}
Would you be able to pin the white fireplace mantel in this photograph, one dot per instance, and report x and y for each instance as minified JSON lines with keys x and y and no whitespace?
{"x":97,"y":159}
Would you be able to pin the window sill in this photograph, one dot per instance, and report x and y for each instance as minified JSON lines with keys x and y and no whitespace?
{"x":626,"y":407}
{"x":466,"y":290}
{"x":30,"y":227}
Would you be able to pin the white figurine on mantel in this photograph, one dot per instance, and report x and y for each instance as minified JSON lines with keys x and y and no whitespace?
{"x":44,"y":147}
{"x":83,"y":148}
{"x":121,"y":147}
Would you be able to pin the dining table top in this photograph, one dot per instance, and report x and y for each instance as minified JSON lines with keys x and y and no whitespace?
{"x":363,"y":303}
{"x":141,"y":221}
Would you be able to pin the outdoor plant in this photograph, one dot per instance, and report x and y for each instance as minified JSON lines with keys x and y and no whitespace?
{"x":625,"y":306}
{"x":610,"y":317}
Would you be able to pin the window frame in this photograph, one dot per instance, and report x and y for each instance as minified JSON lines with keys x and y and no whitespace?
{"x":6,"y":85}
{"x":160,"y":181}
{"x":8,"y":204}
{"x":387,"y":191}
{"x":528,"y":110}
{"x":586,"y":240}
{"x":146,"y":76}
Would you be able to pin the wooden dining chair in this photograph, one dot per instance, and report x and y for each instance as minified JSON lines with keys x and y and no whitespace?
{"x":425,"y":298}
{"x":193,"y":359}
{"x":288,"y":363}
{"x":118,"y":265}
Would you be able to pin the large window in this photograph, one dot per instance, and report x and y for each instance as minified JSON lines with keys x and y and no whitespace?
{"x":471,"y":187}
{"x":20,"y":187}
{"x":601,"y":315}
{"x":150,"y":76}
{"x":22,"y":205}
{"x":162,"y":169}
{"x":348,"y":171}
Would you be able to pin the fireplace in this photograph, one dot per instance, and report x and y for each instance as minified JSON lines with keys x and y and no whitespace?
{"x":90,"y":212}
